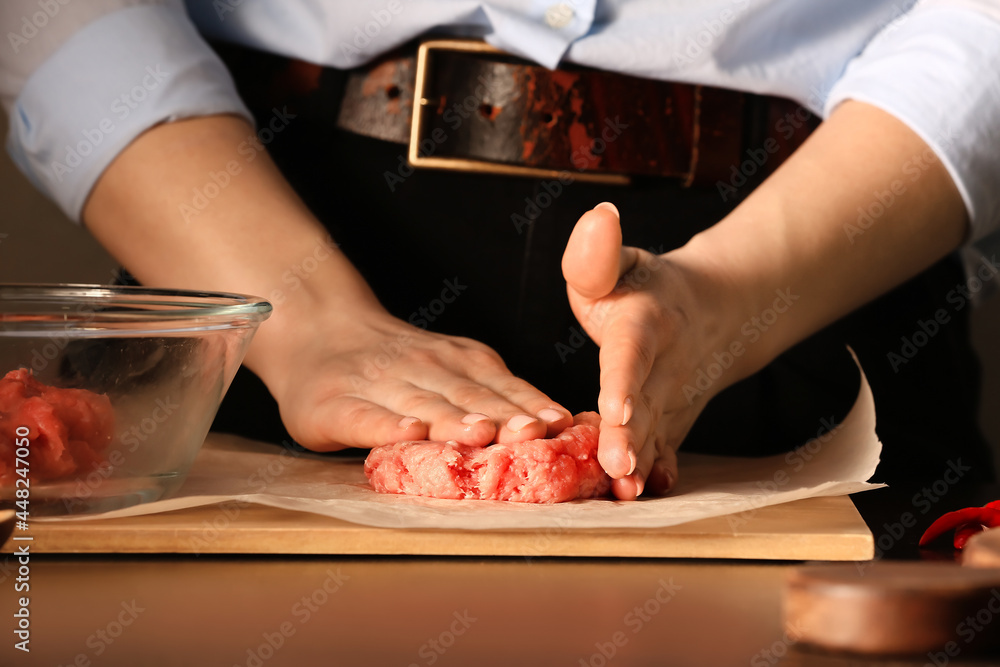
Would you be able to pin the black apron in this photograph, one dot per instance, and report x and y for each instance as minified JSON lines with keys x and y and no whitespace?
{"x":450,"y":252}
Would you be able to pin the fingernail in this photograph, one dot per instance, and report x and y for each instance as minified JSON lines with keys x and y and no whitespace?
{"x":407,"y":422}
{"x":670,"y":480}
{"x":609,"y":207}
{"x":631,"y":459}
{"x":548,"y":415}
{"x":626,"y":410}
{"x":474,"y":418}
{"x":640,"y":485}
{"x":517,"y":422}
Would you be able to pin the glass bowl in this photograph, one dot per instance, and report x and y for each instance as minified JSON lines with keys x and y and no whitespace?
{"x":107,"y":393}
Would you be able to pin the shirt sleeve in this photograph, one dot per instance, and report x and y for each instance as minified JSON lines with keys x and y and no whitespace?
{"x":106,"y":84}
{"x":937,"y":68}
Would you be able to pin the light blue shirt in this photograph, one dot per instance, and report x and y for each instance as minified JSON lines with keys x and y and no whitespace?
{"x":934,"y":64}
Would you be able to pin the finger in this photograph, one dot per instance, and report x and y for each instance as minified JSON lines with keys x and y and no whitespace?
{"x":627,"y":355}
{"x":521,"y":411}
{"x":465,"y":428}
{"x":671,"y":430}
{"x":620,"y":448}
{"x":594,"y":258}
{"x":624,"y":488}
{"x":444,"y":420}
{"x":632,"y":486}
{"x":347,"y":421}
{"x":663,"y":476}
{"x":622,"y":445}
{"x":516,"y":410}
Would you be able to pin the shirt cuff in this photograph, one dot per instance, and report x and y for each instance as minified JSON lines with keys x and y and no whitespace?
{"x":111,"y":81}
{"x":937,"y":69}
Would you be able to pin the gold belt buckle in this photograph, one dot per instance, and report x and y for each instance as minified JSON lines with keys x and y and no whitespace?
{"x":420,"y":102}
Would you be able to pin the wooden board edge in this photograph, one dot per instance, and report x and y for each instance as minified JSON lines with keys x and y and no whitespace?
{"x":316,"y":535}
{"x":759,"y":546}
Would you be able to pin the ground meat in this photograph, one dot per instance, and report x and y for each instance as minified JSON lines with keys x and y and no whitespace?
{"x":537,"y":471}
{"x":69,"y":429}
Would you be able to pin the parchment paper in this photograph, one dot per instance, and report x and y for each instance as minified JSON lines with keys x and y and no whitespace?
{"x":229,"y":468}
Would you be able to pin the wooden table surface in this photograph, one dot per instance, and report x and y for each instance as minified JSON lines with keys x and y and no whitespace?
{"x":265,"y":611}
{"x":216,"y":610}
{"x":213,"y":610}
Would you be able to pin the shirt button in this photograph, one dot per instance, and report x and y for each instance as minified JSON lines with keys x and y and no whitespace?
{"x":558,"y":16}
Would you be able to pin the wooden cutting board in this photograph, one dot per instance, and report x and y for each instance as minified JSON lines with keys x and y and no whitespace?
{"x":810,"y":529}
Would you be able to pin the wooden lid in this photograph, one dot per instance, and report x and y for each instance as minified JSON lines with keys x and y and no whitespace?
{"x":888,"y":608}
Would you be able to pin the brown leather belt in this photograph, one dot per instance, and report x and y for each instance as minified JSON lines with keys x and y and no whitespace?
{"x":479,"y":109}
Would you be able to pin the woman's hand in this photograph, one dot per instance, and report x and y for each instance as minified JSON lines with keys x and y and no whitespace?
{"x":344,"y":372}
{"x":658,"y":321}
{"x":664,"y":322}
{"x":373,"y":379}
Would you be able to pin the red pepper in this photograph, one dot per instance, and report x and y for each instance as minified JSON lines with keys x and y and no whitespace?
{"x":988,"y":517}
{"x":964,"y":532}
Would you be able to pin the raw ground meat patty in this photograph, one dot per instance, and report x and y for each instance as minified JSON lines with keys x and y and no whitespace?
{"x":69,"y":429}
{"x":552,"y":470}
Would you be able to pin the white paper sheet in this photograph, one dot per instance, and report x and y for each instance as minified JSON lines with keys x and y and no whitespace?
{"x":230,"y":468}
